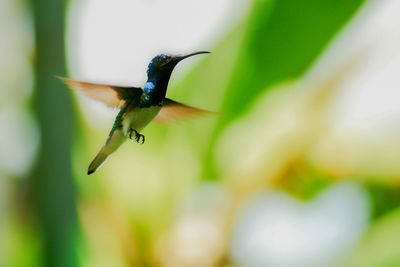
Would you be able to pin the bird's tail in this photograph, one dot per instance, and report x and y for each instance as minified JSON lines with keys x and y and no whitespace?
{"x":115,"y":140}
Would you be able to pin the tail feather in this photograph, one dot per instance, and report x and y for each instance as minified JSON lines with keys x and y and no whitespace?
{"x":114,"y":141}
{"x":97,"y":161}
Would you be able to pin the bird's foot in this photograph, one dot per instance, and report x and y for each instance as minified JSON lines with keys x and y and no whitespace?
{"x":137,"y":136}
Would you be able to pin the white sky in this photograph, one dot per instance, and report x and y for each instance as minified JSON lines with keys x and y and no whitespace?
{"x":115,"y":40}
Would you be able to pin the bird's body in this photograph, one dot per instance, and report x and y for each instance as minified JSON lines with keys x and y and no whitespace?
{"x":138,"y":106}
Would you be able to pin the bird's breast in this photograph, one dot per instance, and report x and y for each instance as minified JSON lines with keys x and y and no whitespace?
{"x":139,"y":117}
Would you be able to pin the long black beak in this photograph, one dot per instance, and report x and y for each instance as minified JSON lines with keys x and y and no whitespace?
{"x":193,"y":54}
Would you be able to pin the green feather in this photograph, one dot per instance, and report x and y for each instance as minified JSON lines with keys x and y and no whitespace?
{"x":118,"y":119}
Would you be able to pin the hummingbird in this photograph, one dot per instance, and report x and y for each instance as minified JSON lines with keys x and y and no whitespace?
{"x":138,"y":106}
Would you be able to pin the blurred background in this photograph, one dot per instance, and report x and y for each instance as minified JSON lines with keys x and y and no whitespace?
{"x":301,"y":167}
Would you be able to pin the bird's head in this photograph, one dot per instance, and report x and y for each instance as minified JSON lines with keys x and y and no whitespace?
{"x":165,"y":63}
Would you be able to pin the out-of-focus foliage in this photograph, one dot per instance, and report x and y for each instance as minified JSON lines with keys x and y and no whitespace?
{"x":281,"y":41}
{"x":379,"y":246}
{"x":265,"y":183}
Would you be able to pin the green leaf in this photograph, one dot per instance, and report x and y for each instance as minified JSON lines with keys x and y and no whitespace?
{"x":282,"y":40}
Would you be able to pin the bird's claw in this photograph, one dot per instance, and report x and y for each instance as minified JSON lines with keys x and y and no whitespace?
{"x":137,"y":136}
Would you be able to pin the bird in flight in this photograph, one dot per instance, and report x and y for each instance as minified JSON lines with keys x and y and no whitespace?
{"x":137,"y":106}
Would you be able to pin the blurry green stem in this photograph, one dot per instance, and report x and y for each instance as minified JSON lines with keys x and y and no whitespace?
{"x":52,"y":187}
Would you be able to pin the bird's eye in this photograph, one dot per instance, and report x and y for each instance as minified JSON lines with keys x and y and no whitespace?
{"x":164,"y":57}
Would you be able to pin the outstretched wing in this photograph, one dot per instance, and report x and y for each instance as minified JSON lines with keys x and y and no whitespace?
{"x":172,"y":111}
{"x":112,"y":96}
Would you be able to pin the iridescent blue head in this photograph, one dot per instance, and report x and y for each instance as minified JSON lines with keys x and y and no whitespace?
{"x":163,"y":64}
